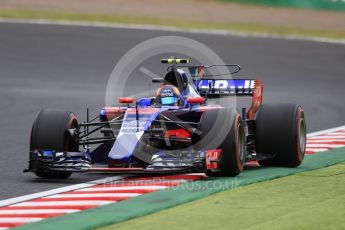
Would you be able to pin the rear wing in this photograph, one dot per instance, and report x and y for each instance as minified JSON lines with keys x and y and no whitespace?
{"x":233,"y":87}
{"x":229,"y":87}
{"x":209,"y":87}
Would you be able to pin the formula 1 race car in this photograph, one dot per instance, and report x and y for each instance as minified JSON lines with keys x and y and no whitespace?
{"x":176,"y":131}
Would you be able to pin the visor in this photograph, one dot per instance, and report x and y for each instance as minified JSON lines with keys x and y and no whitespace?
{"x":168,"y":100}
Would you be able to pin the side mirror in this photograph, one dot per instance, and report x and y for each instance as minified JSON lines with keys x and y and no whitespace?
{"x":196,"y":100}
{"x":127,"y":100}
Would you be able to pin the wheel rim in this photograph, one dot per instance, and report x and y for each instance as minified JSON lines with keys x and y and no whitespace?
{"x":241,"y":144}
{"x":302,"y":136}
{"x":70,"y":144}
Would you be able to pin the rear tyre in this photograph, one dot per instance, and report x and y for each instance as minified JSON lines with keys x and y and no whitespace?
{"x":50,"y":132}
{"x":223,"y":129}
{"x":281,"y":130}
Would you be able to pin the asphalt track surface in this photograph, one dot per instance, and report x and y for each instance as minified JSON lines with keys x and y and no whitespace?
{"x":67,"y":67}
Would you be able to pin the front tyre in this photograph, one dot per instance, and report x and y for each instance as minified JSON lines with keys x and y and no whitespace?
{"x":281,"y":131}
{"x":50,"y":132}
{"x":223,"y":129}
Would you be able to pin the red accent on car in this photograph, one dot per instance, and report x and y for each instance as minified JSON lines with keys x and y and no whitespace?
{"x":205,"y":108}
{"x":178,"y":133}
{"x":213,"y":158}
{"x":142,"y":110}
{"x":196,"y":100}
{"x":256,"y":100}
{"x":113,"y":112}
{"x":200,"y":71}
{"x":126,"y":100}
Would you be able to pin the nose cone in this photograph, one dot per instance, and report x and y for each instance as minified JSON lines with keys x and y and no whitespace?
{"x":124,"y":145}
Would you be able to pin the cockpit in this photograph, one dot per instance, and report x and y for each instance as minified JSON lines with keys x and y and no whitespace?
{"x":180,"y":79}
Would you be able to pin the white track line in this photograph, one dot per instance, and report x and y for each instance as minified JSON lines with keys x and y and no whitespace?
{"x":93,"y":195}
{"x":153,"y":187}
{"x":38,"y":211}
{"x":19,"y":219}
{"x":172,"y":29}
{"x":335,"y":133}
{"x":62,"y":203}
{"x":326,"y":131}
{"x":336,"y":141}
{"x":324,"y":137}
{"x":59,"y":190}
{"x":323,"y":146}
{"x":316,"y":149}
{"x":196,"y":174}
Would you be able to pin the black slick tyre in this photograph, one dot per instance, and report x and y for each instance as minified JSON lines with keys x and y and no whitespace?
{"x":223,"y":129}
{"x":50,"y":132}
{"x":281,"y":131}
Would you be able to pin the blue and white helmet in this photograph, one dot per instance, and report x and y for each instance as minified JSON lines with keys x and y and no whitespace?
{"x":169,"y":95}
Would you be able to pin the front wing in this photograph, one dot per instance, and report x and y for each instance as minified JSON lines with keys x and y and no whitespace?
{"x":81,"y":162}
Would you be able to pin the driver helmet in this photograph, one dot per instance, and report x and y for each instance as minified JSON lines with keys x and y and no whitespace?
{"x":169,"y":95}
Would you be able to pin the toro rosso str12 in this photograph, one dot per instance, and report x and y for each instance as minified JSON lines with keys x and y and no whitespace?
{"x":178,"y":130}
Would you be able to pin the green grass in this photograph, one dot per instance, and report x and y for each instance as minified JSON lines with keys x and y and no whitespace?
{"x":237,"y":27}
{"x":304,"y":4}
{"x":308,"y":200}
